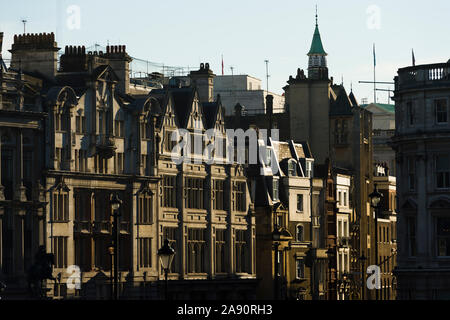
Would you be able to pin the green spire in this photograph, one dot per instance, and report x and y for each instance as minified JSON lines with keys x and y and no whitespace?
{"x":316,"y":46}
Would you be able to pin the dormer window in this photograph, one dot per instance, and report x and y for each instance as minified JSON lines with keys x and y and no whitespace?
{"x":292,"y":169}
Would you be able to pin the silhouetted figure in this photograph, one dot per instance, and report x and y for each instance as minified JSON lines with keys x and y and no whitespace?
{"x":41,"y":270}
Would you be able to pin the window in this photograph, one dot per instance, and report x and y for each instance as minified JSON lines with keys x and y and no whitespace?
{"x":169,"y":199}
{"x":300,"y":203}
{"x":411,"y":173}
{"x":144,"y":164}
{"x":345,"y":199}
{"x":239,"y":196}
{"x":300,"y":269}
{"x":145,"y":209}
{"x":119,"y":128}
{"x":292,"y":170}
{"x":60,"y":252}
{"x":120,"y":163}
{"x":218,"y":194}
{"x":169,"y":145}
{"x":441,"y":111}
{"x":345,"y":232}
{"x":309,"y":170}
{"x":339,"y":231}
{"x":194,"y":191}
{"x":339,"y":198}
{"x":410,"y":113}
{"x":220,"y":251}
{"x":196,"y":251}
{"x":145,"y":252}
{"x":60,"y":207}
{"x":83,"y":252}
{"x":442,"y":171}
{"x":145,"y":130}
{"x":443,"y":237}
{"x":240,"y":252}
{"x":411,"y":234}
{"x":275,"y":190}
{"x":300,"y":235}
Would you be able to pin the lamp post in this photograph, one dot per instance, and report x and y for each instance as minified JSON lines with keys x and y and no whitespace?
{"x":276,"y":237}
{"x":363,"y":273}
{"x":115,"y":205}
{"x":330,"y":254}
{"x":375,"y":198}
{"x":166,"y":254}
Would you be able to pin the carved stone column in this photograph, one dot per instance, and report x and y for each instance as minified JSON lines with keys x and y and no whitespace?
{"x":19,"y":249}
{"x":20,"y":190}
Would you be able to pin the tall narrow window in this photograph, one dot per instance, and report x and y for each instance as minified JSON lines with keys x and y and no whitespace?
{"x":60,"y":252}
{"x":145,"y":252}
{"x":443,"y":237}
{"x":410,"y":113}
{"x":275,"y":190}
{"x":300,"y":203}
{"x":441,"y":111}
{"x":411,"y":235}
{"x":219,"y":194}
{"x":300,"y":269}
{"x":239,"y":196}
{"x":196,"y":250}
{"x":220,"y":251}
{"x":169,"y":199}
{"x":442,"y":171}
{"x":145,"y":209}
{"x":60,"y":207}
{"x":194,"y":193}
{"x":240,"y":252}
{"x":411,"y":173}
{"x":300,"y":235}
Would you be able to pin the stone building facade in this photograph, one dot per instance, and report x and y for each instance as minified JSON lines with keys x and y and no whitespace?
{"x":75,"y":135}
{"x":421,"y":143}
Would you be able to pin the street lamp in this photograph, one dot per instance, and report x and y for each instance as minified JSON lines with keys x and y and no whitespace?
{"x":276,"y":237}
{"x":115,"y":205}
{"x":166,"y":254}
{"x":375,"y":199}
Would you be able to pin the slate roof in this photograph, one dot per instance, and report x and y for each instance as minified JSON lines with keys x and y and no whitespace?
{"x":342,"y":106}
{"x":316,"y":45}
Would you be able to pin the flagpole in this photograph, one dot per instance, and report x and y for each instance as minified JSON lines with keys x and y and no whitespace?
{"x":374,"y":75}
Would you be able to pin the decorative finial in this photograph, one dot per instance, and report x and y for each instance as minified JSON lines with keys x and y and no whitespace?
{"x":316,"y":17}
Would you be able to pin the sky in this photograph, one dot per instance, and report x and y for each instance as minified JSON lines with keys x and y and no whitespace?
{"x":246,"y":33}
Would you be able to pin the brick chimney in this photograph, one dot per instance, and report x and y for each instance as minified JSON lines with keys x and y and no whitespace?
{"x":35,"y":53}
{"x":119,"y":60}
{"x":203,"y":79}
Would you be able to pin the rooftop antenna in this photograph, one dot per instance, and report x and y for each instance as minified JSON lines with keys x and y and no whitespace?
{"x":24,"y":21}
{"x":267,"y":74}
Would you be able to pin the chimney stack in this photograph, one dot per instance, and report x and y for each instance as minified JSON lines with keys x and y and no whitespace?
{"x":35,"y":53}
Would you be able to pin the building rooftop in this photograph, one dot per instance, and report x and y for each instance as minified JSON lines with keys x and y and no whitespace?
{"x":387,"y":107}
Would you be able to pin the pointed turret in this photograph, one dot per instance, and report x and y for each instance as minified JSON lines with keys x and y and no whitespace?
{"x":317,"y":66}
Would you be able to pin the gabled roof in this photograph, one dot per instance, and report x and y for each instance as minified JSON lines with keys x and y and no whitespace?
{"x":342,"y":106}
{"x":210,"y":110}
{"x":353,"y":100}
{"x":182,"y":99}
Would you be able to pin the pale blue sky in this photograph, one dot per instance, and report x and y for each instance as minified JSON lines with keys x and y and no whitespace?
{"x":246,"y":32}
